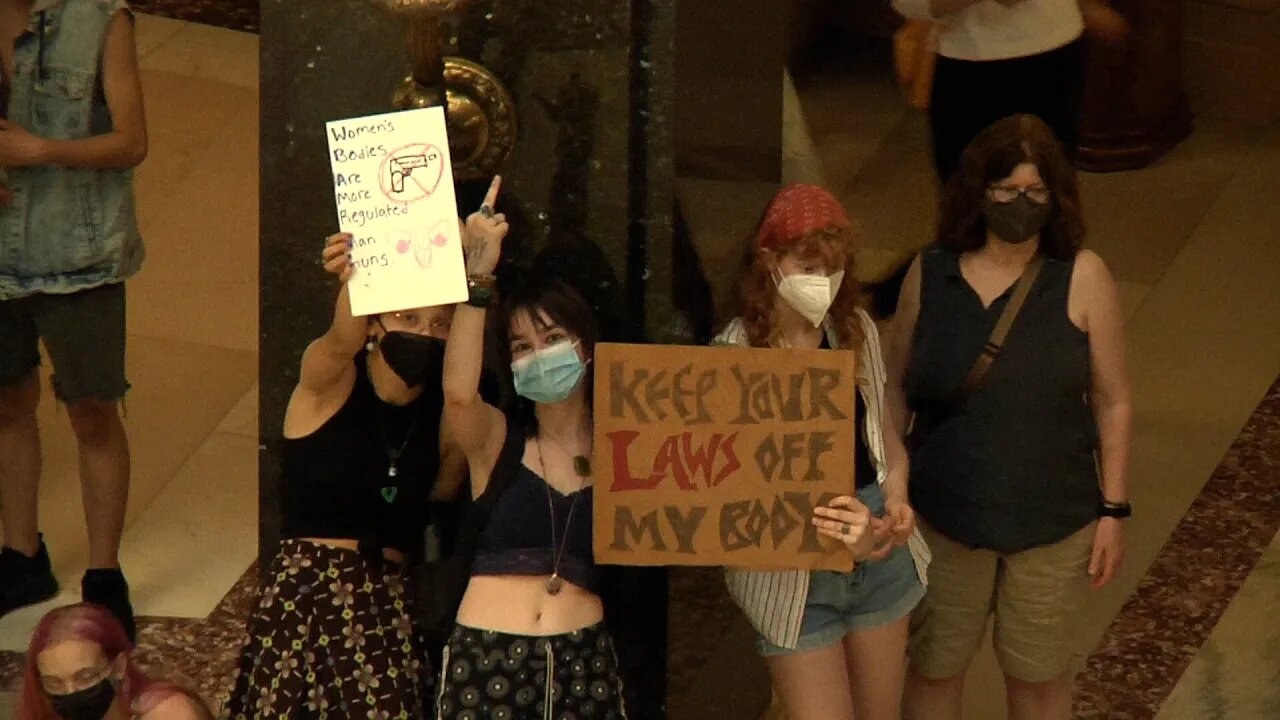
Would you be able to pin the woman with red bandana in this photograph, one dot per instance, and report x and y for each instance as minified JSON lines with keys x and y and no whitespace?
{"x":835,"y":643}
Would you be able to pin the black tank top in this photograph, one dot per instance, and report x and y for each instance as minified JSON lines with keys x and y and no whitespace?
{"x":336,"y":481}
{"x":864,"y":469}
{"x":1013,"y":467}
{"x":517,"y":540}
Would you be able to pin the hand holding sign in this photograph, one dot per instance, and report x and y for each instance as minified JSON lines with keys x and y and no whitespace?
{"x":337,"y":256}
{"x":844,"y":519}
{"x":483,"y":234}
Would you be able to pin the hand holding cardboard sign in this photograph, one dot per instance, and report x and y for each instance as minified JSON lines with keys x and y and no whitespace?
{"x":482,"y":241}
{"x":844,"y":518}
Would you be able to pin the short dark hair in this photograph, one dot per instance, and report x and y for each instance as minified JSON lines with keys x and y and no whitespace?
{"x":542,"y":294}
{"x":992,"y":156}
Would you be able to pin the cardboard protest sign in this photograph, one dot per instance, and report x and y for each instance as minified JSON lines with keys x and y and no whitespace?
{"x":718,"y":456}
{"x":393,"y":183}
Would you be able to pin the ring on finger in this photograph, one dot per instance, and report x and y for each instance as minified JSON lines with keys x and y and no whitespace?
{"x":845,"y":529}
{"x":486,"y":211}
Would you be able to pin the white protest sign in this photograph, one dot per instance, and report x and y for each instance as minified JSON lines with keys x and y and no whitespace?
{"x":393,"y":183}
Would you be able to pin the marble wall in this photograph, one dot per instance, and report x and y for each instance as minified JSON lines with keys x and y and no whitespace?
{"x":584,"y":190}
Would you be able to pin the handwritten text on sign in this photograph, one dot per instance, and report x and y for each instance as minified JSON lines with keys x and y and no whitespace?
{"x":718,"y":456}
{"x":393,"y":187}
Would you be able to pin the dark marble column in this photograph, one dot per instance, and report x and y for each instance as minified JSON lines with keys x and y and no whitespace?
{"x":589,"y":184}
{"x":1135,"y":105}
{"x":320,"y":61}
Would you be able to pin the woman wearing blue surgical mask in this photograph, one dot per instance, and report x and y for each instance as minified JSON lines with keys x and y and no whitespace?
{"x":530,"y":640}
{"x":835,"y":643}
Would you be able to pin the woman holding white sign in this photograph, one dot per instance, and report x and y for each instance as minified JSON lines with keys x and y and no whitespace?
{"x":332,"y":631}
{"x":530,"y":641}
{"x":835,"y":643}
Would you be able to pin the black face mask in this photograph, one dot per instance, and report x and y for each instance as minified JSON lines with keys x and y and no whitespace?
{"x":1018,"y":221}
{"x":416,"y":359}
{"x":92,"y":703}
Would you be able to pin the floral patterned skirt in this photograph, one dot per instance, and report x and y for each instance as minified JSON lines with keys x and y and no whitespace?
{"x":331,"y":637}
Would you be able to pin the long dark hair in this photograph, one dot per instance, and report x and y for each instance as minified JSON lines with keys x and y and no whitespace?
{"x":542,"y":294}
{"x":992,"y":156}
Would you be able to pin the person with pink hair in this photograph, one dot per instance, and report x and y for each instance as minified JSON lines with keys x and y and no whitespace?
{"x":79,"y":667}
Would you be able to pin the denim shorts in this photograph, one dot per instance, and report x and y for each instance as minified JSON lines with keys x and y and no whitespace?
{"x":875,"y":594}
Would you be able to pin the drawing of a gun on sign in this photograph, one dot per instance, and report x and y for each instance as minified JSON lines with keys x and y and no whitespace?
{"x":402,"y":167}
{"x":412,"y":173}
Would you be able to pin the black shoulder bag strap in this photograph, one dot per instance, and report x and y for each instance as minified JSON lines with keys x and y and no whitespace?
{"x":927,"y":423}
{"x":978,"y":373}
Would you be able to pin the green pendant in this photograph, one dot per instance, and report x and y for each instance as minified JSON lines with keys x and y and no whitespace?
{"x":582,"y":465}
{"x":389,"y":494}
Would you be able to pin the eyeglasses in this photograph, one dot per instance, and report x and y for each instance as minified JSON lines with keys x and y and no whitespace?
{"x":1006,"y":194}
{"x":415,"y":322}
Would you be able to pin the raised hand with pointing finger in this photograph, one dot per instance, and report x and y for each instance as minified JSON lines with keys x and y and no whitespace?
{"x":483,"y":234}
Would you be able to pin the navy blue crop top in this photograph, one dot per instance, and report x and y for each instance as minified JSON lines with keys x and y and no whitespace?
{"x":517,"y":538}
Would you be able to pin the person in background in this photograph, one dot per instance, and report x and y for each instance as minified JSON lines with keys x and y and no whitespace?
{"x":530,"y":640}
{"x":79,"y":667}
{"x":68,"y":240}
{"x":835,"y":643}
{"x":997,"y":58}
{"x":1020,"y":482}
{"x":333,"y":631}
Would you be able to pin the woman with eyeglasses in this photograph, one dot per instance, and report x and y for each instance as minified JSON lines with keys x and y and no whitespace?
{"x":79,"y":667}
{"x":332,"y":632}
{"x":530,"y":641}
{"x":1019,"y":477}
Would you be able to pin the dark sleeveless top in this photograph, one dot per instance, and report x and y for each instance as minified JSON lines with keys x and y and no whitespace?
{"x":517,"y":538}
{"x":1013,"y":467}
{"x":336,"y":482}
{"x":864,"y":469}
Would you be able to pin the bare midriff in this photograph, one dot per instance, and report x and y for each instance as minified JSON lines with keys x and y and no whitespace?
{"x":520,"y":605}
{"x":391,"y":554}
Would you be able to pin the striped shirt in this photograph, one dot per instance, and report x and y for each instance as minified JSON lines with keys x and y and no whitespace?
{"x":774,"y":600}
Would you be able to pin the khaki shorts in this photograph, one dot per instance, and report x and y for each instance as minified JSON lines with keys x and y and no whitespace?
{"x":1033,"y":594}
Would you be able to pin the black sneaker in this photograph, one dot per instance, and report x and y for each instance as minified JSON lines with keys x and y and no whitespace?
{"x":106,"y":587}
{"x":25,"y":580}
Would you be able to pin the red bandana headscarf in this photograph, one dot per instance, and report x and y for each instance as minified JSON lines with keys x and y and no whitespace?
{"x":796,"y":211}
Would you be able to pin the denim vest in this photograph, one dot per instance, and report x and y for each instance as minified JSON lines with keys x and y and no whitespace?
{"x":66,"y":229}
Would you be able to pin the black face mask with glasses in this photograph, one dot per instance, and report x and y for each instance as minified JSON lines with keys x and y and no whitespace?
{"x":415,"y":359}
{"x":1015,"y":215}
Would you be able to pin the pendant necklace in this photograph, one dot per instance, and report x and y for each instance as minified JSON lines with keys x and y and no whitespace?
{"x":393,"y":454}
{"x":556,"y":583}
{"x":581,"y":463}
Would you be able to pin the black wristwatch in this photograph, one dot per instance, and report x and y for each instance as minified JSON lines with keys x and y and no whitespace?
{"x":1119,"y":511}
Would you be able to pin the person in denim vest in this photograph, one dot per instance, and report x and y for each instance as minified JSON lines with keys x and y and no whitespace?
{"x":73,"y":132}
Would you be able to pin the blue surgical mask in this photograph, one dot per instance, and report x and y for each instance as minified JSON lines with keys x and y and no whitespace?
{"x":549,"y":375}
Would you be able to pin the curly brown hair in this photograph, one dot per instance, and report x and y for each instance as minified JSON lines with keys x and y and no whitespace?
{"x":757,"y":292}
{"x":992,"y":156}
